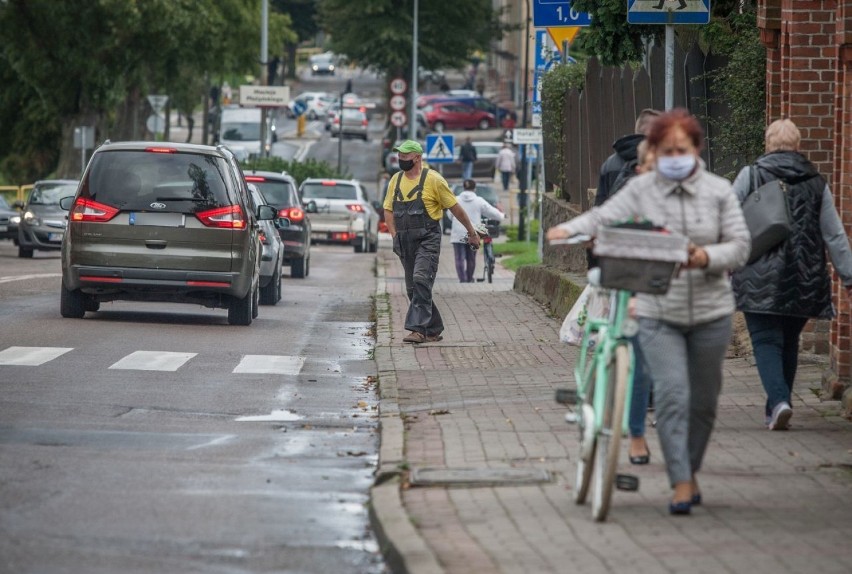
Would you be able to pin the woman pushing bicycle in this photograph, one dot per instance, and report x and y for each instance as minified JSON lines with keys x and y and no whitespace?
{"x":683,"y":334}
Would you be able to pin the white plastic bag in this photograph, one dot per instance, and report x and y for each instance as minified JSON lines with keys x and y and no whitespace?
{"x":592,"y":303}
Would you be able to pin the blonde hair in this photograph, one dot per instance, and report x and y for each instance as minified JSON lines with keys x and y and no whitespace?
{"x":644,"y":120}
{"x":782,"y":135}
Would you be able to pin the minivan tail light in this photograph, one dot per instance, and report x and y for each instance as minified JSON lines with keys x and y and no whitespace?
{"x":356,"y":207}
{"x":294,"y":214}
{"x":161,"y":149}
{"x":254,"y":178}
{"x":89,"y":210}
{"x":327,"y":182}
{"x":229,"y":217}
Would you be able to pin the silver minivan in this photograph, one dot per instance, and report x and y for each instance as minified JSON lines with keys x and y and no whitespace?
{"x":162,"y":222}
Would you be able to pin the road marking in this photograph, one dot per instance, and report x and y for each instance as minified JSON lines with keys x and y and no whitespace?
{"x":277,"y":416}
{"x":278,"y":364}
{"x":153,"y":361}
{"x":25,"y":277}
{"x":303,"y":151}
{"x":31,"y":356}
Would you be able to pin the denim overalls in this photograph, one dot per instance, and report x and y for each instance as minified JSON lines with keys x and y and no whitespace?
{"x":417,"y":243}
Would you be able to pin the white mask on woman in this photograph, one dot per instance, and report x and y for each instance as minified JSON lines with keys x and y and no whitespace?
{"x":676,"y":167}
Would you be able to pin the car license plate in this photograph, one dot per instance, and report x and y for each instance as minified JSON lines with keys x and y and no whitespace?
{"x":54,"y":237}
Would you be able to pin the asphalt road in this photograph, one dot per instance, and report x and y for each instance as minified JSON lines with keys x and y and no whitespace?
{"x":157,"y":438}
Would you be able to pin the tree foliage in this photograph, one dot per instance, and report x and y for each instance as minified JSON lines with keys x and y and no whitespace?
{"x":378,"y":33}
{"x":556,"y":84}
{"x":300,"y":170}
{"x":86,"y":62}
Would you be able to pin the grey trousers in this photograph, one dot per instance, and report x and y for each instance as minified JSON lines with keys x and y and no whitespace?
{"x":685,"y":364}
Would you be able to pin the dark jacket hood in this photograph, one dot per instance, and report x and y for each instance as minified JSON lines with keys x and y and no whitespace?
{"x":626,"y":146}
{"x":790,"y":166}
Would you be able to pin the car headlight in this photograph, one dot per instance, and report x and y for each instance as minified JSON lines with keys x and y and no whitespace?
{"x":31,"y":219}
{"x":315,"y":67}
{"x":16,"y":219}
{"x":331,"y":67}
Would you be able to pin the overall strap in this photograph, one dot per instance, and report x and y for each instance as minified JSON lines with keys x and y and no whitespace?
{"x":419,"y":187}
{"x":397,"y":193}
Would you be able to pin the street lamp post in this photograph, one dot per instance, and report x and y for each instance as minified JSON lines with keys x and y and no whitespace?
{"x":412,"y":114}
{"x":522,"y":177}
{"x":264,"y":72}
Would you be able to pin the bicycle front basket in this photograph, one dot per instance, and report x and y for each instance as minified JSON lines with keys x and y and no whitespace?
{"x":639,"y":260}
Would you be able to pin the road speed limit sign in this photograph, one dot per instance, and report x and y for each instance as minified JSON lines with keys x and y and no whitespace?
{"x":398,"y":86}
{"x":398,"y":119}
{"x":397,"y":102}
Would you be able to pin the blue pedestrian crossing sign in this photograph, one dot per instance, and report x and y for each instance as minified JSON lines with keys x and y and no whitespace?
{"x":668,"y":11}
{"x":439,"y":148}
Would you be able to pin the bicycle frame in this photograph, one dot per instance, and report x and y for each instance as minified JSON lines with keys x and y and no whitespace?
{"x":594,"y":366}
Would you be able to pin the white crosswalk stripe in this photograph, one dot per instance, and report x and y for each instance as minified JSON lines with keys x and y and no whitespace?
{"x":153,"y":361}
{"x":277,"y":364}
{"x":31,"y":356}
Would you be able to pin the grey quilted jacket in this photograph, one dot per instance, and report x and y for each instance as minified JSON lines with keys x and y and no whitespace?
{"x":704,"y":208}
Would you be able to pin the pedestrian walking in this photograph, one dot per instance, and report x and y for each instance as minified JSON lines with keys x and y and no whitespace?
{"x":475,"y":207}
{"x":467,"y":155}
{"x":685,"y":333}
{"x":414,"y":204}
{"x":506,"y":163}
{"x":790,"y":283}
{"x":622,"y":162}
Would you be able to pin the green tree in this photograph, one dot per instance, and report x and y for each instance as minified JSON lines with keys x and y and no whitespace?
{"x":378,"y":33}
{"x":556,"y":84}
{"x":303,"y":15}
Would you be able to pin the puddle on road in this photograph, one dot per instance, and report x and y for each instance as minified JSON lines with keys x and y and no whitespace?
{"x":276,"y":416}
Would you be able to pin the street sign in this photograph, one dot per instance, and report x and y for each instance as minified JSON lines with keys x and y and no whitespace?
{"x":545,"y":58}
{"x":668,"y":11}
{"x":84,"y":137}
{"x":560,"y":34}
{"x":526,"y":136}
{"x":439,"y":148}
{"x":548,"y":13}
{"x":156,"y":124}
{"x":158,"y":102}
{"x":397,"y":102}
{"x":299,"y":108}
{"x":265,"y":96}
{"x":398,"y":119}
{"x":398,"y":86}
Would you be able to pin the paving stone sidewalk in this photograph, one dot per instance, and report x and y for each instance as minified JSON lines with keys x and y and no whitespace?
{"x":483,"y":399}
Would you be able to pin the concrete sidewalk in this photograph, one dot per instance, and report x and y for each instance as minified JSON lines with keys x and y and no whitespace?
{"x":482,"y":401}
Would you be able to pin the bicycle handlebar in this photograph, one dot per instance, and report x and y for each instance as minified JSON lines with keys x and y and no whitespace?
{"x":573,"y":240}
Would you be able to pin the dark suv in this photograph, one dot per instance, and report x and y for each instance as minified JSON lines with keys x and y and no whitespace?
{"x":162,"y":222}
{"x":280,"y":191}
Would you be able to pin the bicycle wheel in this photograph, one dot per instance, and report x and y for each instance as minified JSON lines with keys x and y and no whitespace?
{"x":489,"y":262}
{"x":606,"y":459}
{"x":585,"y":453}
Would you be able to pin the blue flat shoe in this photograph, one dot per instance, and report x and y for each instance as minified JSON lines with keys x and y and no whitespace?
{"x":680,"y":508}
{"x":696,"y":499}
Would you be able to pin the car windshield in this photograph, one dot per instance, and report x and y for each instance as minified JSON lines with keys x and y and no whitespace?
{"x":277,"y":193}
{"x":176,"y":182}
{"x":329,"y":190}
{"x":241,"y":131}
{"x":51,"y":194}
{"x":3,"y":203}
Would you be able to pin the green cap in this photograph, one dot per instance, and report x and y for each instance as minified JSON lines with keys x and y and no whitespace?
{"x":409,"y":146}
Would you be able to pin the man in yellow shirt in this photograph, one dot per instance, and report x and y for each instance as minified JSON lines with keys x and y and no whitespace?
{"x":414,"y":204}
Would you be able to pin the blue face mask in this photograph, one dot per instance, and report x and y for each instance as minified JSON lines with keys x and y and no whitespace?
{"x":676,"y":167}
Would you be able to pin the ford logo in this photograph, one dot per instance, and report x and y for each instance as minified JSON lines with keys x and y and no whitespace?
{"x":158,"y":205}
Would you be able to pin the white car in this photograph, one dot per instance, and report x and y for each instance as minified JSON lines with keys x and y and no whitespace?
{"x":240,"y":132}
{"x":316,"y":104}
{"x":344,"y":213}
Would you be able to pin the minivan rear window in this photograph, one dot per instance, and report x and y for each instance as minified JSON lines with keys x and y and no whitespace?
{"x":175,"y":182}
{"x":324,"y":191}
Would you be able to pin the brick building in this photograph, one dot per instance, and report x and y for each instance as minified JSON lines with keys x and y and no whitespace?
{"x":809,"y":80}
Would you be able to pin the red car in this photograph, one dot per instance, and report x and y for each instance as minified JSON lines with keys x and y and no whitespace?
{"x":453,"y":115}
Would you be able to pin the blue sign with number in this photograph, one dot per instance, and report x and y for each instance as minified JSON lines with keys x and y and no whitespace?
{"x":550,"y":13}
{"x":668,"y":11}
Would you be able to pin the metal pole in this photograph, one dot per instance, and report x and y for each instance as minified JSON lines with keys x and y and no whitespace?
{"x":412,"y":114}
{"x":669,"y":66}
{"x":264,"y":71}
{"x":522,"y":196}
{"x":82,"y":150}
{"x":340,"y":136}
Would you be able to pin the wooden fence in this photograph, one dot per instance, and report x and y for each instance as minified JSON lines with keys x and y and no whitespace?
{"x":606,"y":109}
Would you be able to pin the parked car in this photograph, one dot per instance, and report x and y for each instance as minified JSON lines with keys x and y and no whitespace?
{"x":505,"y":117}
{"x":9,"y":218}
{"x":344,"y":213}
{"x":281,"y":192}
{"x":315,"y":104}
{"x":322,"y":64}
{"x":42,"y":223}
{"x":351,"y":122}
{"x":443,"y":115}
{"x":487,"y":192}
{"x":272,"y":257}
{"x":483,"y":167}
{"x":162,"y":222}
{"x":240,"y":131}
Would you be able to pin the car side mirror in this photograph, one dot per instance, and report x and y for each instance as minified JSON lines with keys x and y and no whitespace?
{"x":311,"y":207}
{"x":266,"y":212}
{"x":65,"y":203}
